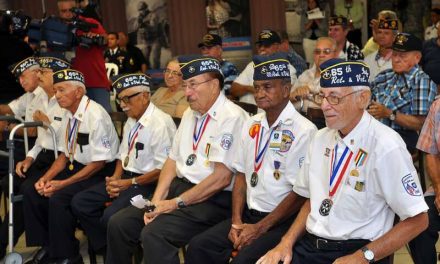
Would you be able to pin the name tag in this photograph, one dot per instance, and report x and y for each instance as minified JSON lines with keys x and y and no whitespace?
{"x":275,"y":140}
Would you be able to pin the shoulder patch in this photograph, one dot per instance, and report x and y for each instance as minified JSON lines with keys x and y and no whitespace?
{"x":287,"y":140}
{"x":226,"y":141}
{"x":410,"y":185}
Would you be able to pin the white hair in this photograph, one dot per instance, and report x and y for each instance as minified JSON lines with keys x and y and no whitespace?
{"x":359,"y":88}
{"x":77,"y":83}
{"x":141,"y":88}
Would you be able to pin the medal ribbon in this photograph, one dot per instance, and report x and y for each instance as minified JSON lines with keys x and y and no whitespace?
{"x":197,"y":135}
{"x":336,"y":178}
{"x":259,"y":154}
{"x":360,"y":158}
{"x":132,"y":136}
{"x":70,"y":132}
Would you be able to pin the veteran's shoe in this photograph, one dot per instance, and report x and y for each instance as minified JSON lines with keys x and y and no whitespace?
{"x":41,"y":257}
{"x":73,"y":260}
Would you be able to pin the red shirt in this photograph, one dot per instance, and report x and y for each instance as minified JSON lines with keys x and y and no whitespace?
{"x":90,"y":61}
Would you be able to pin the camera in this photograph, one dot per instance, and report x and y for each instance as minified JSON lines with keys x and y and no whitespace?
{"x":62,"y":36}
{"x":20,"y":21}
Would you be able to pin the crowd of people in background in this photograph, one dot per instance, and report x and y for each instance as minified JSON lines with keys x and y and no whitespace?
{"x":292,"y":159}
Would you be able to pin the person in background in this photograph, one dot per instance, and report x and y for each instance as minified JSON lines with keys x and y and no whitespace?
{"x":137,"y":60}
{"x":294,"y":58}
{"x":114,"y":54}
{"x":338,"y":30}
{"x":211,"y":46}
{"x":171,"y":99}
{"x":431,"y":31}
{"x":430,"y":61}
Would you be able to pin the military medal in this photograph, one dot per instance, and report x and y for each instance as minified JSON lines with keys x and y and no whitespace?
{"x":276,"y":173}
{"x":325,"y":207}
{"x":191,"y":159}
{"x":354,"y":173}
{"x":254,"y":179}
{"x":338,"y":167}
{"x":359,"y":160}
{"x":71,"y":167}
{"x":197,"y":136}
{"x":132,"y":136}
{"x":71,"y":136}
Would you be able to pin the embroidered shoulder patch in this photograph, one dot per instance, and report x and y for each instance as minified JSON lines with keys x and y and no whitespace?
{"x":410,"y":185}
{"x":226,"y":141}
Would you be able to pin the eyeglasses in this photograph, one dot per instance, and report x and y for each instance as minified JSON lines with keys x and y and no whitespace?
{"x":173,"y":73}
{"x":193,"y":86}
{"x":331,"y":99}
{"x":326,"y":51}
{"x":126,"y":99}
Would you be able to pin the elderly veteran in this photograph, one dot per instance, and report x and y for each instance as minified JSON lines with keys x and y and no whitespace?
{"x":147,"y":138}
{"x":273,"y":145}
{"x":41,"y":156}
{"x":380,"y":59}
{"x":338,"y":30}
{"x":402,"y":95}
{"x":89,"y":143}
{"x":194,"y":188}
{"x":307,"y":86}
{"x":268,"y":43}
{"x":357,"y":175}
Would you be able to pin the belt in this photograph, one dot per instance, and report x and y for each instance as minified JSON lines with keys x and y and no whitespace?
{"x":336,"y":245}
{"x":257,"y":213}
{"x":44,"y":150}
{"x":314,"y":113}
{"x":185,"y":180}
{"x":131,"y":174}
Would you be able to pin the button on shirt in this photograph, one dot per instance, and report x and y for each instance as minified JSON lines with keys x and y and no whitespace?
{"x":246,"y":77}
{"x":152,"y":143}
{"x":56,"y":114}
{"x":377,"y":64}
{"x":308,"y":78}
{"x":99,"y":139}
{"x":25,"y":105}
{"x":429,"y":140}
{"x":363,"y":205}
{"x":218,"y":143}
{"x":411,"y":93}
{"x":297,"y":132}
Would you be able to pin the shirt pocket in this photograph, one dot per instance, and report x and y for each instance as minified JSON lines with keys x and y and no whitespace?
{"x":82,"y":140}
{"x":353,"y":204}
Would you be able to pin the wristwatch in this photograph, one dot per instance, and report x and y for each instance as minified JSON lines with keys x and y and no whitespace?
{"x":368,"y":254}
{"x":133,"y":181}
{"x":180,"y":203}
{"x":393,"y":115}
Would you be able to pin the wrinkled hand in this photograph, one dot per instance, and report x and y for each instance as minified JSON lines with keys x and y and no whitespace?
{"x":301,"y":91}
{"x":248,"y":233}
{"x":163,"y":206}
{"x":40,"y":116}
{"x":234,"y":233}
{"x":379,"y":111}
{"x":281,"y":253}
{"x":52,"y":186}
{"x":354,"y":258}
{"x":115,"y":186}
{"x":39,"y":185}
{"x":22,"y":167}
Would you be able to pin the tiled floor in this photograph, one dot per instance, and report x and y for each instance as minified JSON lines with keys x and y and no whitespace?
{"x":400,"y":257}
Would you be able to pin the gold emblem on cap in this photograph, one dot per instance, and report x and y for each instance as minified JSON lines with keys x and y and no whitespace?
{"x":339,"y":20}
{"x":208,"y":38}
{"x":326,"y":75}
{"x":119,"y":85}
{"x":393,"y":24}
{"x":263,"y":70}
{"x":60,"y":75}
{"x":265,"y":35}
{"x":191,"y":69}
{"x":401,"y":39}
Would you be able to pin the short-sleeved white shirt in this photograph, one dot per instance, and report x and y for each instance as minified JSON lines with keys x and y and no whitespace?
{"x":388,"y":183}
{"x":296,"y":133}
{"x":218,"y":143}
{"x":152,"y":144}
{"x":96,"y":129}
{"x":246,"y":77}
{"x":25,"y":105}
{"x":307,"y":78}
{"x":377,"y":65}
{"x":56,"y":114}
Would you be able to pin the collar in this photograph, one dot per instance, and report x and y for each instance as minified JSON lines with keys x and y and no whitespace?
{"x":412,"y":72}
{"x":215,"y":108}
{"x":80,"y":112}
{"x":353,"y":139}
{"x":148,"y":112}
{"x":286,"y":117}
{"x":113,"y":51}
{"x":386,"y":58}
{"x":38,"y":91}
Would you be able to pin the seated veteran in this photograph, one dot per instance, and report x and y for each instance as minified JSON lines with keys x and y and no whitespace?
{"x":273,"y":145}
{"x":88,"y":149}
{"x":380,"y":59}
{"x":194,"y":188}
{"x":357,"y":175}
{"x":147,"y":138}
{"x":307,"y":86}
{"x":268,"y":43}
{"x":171,"y":99}
{"x":402,"y":95}
{"x":41,"y":156}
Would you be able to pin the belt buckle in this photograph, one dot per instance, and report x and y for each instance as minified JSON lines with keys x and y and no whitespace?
{"x":320,"y":241}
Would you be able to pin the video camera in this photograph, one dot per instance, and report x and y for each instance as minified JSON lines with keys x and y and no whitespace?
{"x":61,"y":36}
{"x":20,"y":21}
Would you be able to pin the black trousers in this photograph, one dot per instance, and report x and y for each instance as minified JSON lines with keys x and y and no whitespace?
{"x":40,"y":165}
{"x":162,"y":238}
{"x":423,"y":246}
{"x":305,"y":252}
{"x":213,"y":246}
{"x":90,"y":209}
{"x":49,"y":222}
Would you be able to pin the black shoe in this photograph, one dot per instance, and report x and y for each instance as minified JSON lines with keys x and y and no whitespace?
{"x":74,"y":260}
{"x":41,"y":257}
{"x":2,"y":252}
